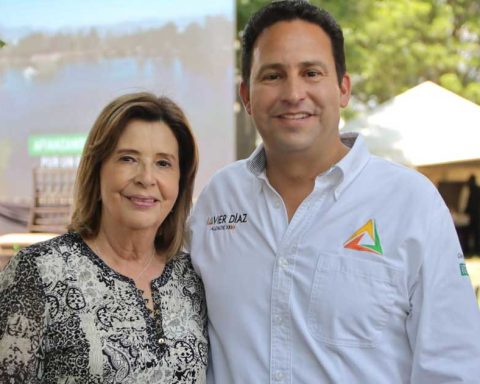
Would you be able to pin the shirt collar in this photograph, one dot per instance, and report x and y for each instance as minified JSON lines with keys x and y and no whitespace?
{"x":353,"y":162}
{"x":348,"y":168}
{"x":257,"y":161}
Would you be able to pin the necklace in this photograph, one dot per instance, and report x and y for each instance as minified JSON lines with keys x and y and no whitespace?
{"x":145,"y":267}
{"x":147,"y":264}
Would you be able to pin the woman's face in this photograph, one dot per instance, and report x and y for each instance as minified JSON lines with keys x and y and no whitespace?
{"x":139,"y":180}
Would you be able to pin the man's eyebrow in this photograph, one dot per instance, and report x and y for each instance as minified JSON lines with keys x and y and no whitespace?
{"x":314,"y":63}
{"x":271,"y":66}
{"x":303,"y":64}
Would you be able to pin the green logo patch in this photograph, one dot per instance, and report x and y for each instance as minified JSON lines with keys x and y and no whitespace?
{"x":463,"y":269}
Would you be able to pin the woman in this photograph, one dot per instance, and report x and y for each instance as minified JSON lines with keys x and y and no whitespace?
{"x":114,"y":300}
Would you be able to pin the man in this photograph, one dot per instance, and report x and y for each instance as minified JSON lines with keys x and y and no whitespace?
{"x":321,"y":262}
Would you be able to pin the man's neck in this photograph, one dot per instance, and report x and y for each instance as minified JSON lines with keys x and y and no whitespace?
{"x":293,"y":175}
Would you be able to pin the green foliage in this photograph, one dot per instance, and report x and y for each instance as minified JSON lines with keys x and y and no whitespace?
{"x":393,"y":45}
{"x":2,"y":43}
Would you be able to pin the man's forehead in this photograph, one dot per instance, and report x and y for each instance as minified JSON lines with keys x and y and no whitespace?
{"x":296,"y":41}
{"x":291,"y":27}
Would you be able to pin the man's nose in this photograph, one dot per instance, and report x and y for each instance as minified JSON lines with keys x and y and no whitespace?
{"x":294,"y":90}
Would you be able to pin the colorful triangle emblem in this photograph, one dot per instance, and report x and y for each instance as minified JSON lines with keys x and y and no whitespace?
{"x":355,"y":241}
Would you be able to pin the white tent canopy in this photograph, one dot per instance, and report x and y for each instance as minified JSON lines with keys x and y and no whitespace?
{"x":425,"y":125}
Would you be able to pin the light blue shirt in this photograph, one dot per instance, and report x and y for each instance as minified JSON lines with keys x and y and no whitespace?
{"x":366,"y":284}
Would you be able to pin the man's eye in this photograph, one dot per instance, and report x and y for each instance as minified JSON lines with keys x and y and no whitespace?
{"x":312,"y":73}
{"x":271,"y":76}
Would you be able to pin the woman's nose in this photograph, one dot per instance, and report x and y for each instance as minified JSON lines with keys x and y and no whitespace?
{"x":144,"y":175}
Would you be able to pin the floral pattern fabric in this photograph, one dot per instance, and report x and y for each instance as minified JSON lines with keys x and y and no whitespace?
{"x":66,"y":317}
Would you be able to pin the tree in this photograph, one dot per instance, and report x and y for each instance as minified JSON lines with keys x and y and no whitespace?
{"x":405,"y":42}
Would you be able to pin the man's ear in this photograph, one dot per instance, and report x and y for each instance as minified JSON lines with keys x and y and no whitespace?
{"x":345,"y":89}
{"x":245,"y":96}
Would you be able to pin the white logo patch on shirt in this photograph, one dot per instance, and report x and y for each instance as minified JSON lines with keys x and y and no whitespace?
{"x":226,"y":222}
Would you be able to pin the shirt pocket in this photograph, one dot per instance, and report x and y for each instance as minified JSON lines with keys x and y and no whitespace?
{"x":351,"y":301}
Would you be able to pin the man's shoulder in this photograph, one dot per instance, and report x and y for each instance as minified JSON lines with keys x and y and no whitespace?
{"x":400,"y":172}
{"x":403,"y":180}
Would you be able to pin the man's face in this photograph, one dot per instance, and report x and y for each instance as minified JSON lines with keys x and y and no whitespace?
{"x":294,"y":96}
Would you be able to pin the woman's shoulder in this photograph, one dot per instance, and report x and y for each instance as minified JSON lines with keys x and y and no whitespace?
{"x":45,"y":253}
{"x":30,"y":265}
{"x":58,"y":244}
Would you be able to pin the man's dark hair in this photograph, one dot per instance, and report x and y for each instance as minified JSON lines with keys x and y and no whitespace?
{"x":288,"y":10}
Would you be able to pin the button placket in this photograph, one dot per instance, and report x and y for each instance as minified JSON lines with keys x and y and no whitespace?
{"x":281,"y":327}
{"x":281,"y":321}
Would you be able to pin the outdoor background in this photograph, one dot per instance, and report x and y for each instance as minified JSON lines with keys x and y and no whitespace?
{"x":65,"y":60}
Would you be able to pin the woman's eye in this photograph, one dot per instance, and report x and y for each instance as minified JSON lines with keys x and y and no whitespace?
{"x":127,"y":158}
{"x":163,"y":163}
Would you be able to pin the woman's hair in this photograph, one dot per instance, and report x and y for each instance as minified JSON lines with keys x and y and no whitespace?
{"x":102,"y":141}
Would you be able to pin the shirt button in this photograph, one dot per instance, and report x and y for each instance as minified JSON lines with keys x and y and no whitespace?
{"x":277,"y":203}
{"x":278,"y":319}
{"x":278,"y":376}
{"x":283,"y":262}
{"x":161,"y":341}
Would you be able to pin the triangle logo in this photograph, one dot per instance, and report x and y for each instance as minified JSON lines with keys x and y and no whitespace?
{"x":373,"y":246}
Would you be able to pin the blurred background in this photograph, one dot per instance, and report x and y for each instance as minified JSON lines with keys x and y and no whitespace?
{"x":65,"y":60}
{"x":415,"y":66}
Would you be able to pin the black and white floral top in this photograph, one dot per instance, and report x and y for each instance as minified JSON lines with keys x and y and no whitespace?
{"x":66,"y":317}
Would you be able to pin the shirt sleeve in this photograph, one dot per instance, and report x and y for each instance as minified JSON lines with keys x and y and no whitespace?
{"x":22,"y":309}
{"x":444,"y":322}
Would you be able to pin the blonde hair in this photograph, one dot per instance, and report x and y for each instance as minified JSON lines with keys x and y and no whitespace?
{"x":101,"y":142}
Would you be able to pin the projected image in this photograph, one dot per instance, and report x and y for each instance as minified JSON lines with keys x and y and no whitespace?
{"x":64,"y":61}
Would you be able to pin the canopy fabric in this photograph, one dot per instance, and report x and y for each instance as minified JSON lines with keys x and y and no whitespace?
{"x":423,"y":126}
